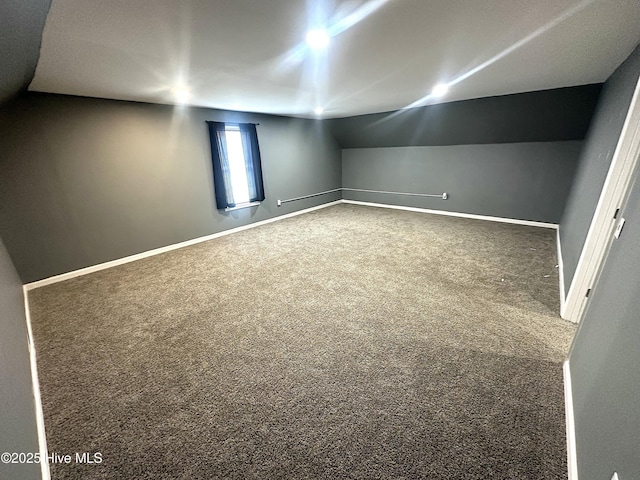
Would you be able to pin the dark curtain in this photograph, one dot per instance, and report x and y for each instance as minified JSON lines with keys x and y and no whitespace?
{"x":253,"y":163}
{"x":221,"y":171}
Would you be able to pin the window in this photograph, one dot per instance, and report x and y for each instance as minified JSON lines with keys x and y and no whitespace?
{"x":237,"y":168}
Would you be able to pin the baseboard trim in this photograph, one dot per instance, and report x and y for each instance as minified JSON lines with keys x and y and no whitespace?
{"x":42,"y":439}
{"x":157,"y":251}
{"x":572,"y":459}
{"x":563,"y":299}
{"x":515,"y":221}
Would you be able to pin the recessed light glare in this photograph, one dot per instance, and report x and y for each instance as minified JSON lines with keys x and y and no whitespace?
{"x":319,"y":110}
{"x":181,"y":94}
{"x":440,"y":90}
{"x":318,"y":38}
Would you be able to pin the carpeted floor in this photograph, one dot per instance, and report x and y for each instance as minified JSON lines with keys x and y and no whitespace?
{"x":350,"y":342}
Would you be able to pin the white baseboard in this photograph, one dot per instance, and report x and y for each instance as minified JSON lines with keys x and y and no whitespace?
{"x":42,"y":439}
{"x":132,"y":258}
{"x":457,"y":214}
{"x":149,"y":253}
{"x":572,"y":459}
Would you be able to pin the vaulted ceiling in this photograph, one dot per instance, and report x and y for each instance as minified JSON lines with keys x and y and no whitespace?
{"x":383,"y":55}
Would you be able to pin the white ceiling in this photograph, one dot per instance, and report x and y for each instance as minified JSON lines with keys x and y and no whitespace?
{"x":250,"y":54}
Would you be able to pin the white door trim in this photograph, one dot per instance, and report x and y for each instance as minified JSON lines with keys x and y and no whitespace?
{"x":614,"y":191}
{"x":563,"y":299}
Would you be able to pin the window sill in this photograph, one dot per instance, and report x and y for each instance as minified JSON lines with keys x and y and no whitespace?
{"x":242,"y":205}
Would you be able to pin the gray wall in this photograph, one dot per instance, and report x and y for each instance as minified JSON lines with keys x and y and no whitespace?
{"x":605,"y":358}
{"x":21,"y":25}
{"x":594,"y":163}
{"x":544,"y":116}
{"x":605,"y":362}
{"x":84,"y":181}
{"x":511,"y":156}
{"x":17,"y":410}
{"x":528,"y":181}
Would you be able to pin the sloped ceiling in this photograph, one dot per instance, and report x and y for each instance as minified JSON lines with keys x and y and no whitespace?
{"x":21,"y":25}
{"x":384,"y":54}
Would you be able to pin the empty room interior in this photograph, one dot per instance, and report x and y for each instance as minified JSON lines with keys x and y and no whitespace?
{"x":319,"y":239}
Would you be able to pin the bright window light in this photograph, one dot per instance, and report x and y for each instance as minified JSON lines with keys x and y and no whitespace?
{"x":440,"y":90}
{"x":318,"y":110}
{"x":318,"y":38}
{"x":237,"y":167}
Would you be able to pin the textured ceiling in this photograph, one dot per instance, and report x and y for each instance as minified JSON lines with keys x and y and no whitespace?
{"x":384,"y":54}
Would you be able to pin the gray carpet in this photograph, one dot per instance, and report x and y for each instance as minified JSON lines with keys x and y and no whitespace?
{"x":350,"y":342}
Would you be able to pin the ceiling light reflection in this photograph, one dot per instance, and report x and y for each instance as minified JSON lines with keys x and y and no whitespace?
{"x":440,"y":90}
{"x":181,"y":94}
{"x":499,"y":56}
{"x":318,"y":38}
